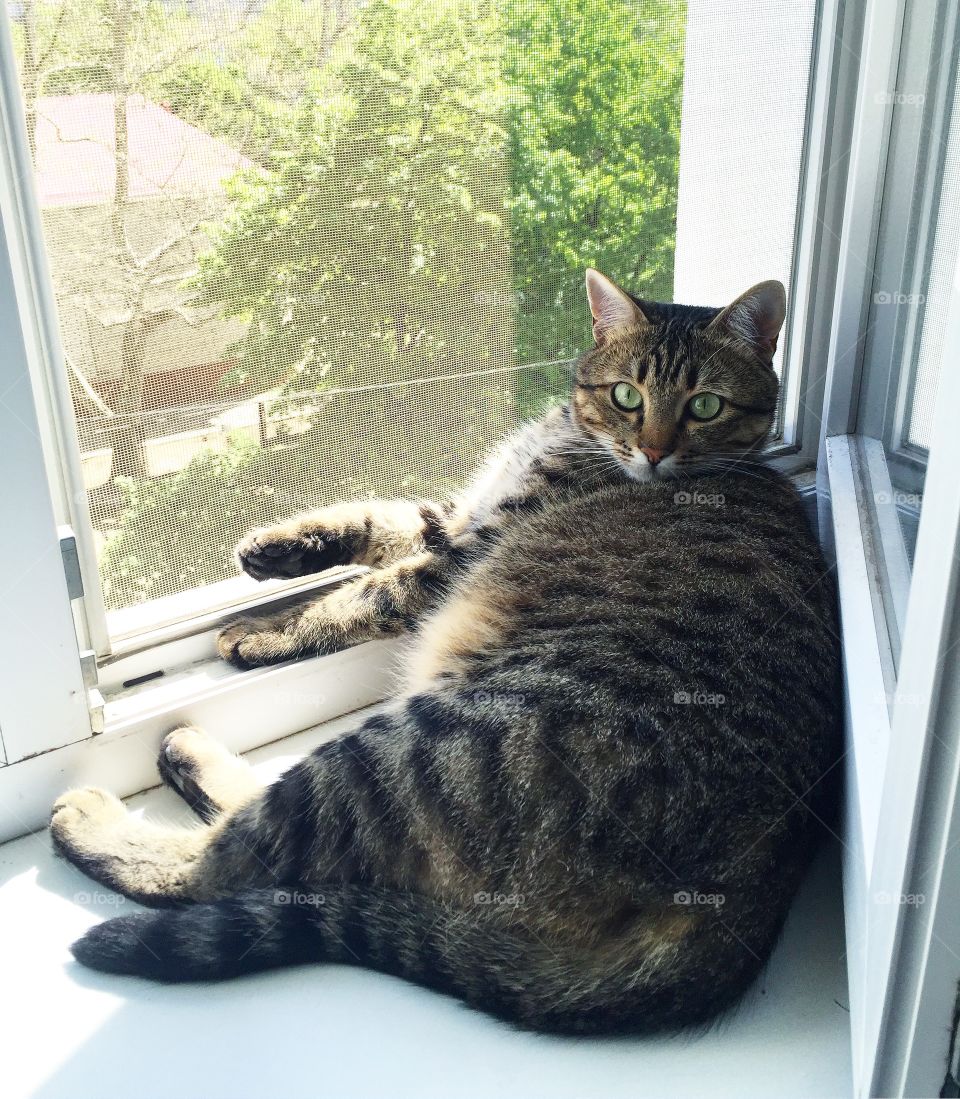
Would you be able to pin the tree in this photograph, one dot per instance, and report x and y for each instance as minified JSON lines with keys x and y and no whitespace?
{"x":426,"y":184}
{"x":456,"y":141}
{"x":375,"y":243}
{"x":594,"y":125}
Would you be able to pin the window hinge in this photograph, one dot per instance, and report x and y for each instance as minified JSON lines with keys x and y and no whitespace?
{"x":88,"y":667}
{"x":71,"y":562}
{"x":88,"y":658}
{"x":96,"y":703}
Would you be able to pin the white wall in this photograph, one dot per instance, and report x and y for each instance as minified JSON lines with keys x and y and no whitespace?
{"x":744,"y":102}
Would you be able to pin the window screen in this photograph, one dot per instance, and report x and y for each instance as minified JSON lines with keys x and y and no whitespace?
{"x":742,"y":134}
{"x":306,"y":250}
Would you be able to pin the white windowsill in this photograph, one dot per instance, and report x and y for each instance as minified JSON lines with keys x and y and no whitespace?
{"x":354,"y":1034}
{"x":172,"y":616}
{"x":245,"y":710}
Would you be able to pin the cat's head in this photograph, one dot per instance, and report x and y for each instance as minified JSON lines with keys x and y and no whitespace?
{"x":668,"y":389}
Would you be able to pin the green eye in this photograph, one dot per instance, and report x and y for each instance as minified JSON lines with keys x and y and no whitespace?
{"x":626,"y":396}
{"x":705,"y":406}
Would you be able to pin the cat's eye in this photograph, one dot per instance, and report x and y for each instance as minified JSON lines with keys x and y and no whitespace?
{"x":626,"y":396}
{"x":705,"y":406}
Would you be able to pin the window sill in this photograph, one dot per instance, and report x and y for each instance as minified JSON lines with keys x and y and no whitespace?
{"x":789,"y":1037}
{"x":172,"y":617}
{"x":243,"y":709}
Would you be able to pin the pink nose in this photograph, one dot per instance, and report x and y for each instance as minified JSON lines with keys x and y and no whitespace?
{"x":652,"y":454}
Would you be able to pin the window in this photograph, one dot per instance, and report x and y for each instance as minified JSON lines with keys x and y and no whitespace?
{"x":260,"y":256}
{"x":308,"y":251}
{"x":270,"y":255}
{"x":745,"y":108}
{"x":916,"y":250}
{"x":311,"y":251}
{"x":888,"y":476}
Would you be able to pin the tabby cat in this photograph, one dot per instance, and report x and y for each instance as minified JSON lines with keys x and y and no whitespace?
{"x":591,"y":804}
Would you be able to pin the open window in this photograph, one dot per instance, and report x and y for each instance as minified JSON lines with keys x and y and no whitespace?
{"x":257,"y":257}
{"x":271,"y":256}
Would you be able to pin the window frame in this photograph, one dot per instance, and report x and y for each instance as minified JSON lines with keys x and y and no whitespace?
{"x":926,"y":69}
{"x":900,"y":828}
{"x":44,"y":704}
{"x":900,"y":808}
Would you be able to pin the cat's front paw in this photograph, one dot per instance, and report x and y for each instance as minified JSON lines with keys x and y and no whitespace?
{"x":253,"y":643}
{"x":284,"y":552}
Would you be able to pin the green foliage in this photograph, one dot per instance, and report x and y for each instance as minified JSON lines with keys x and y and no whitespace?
{"x":178,"y":532}
{"x":429,"y":182}
{"x":375,"y":245}
{"x":594,"y":131}
{"x":141,"y":561}
{"x":215,"y":97}
{"x":435,"y":204}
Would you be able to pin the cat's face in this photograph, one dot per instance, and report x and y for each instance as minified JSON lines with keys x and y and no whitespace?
{"x":668,"y":389}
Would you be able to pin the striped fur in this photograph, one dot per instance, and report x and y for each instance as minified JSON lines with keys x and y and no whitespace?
{"x":590,"y":806}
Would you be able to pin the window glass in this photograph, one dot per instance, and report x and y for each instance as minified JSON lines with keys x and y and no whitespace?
{"x":922,"y":313}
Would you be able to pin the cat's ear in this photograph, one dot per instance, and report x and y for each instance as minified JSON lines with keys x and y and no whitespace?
{"x":613,"y":311}
{"x":756,"y":318}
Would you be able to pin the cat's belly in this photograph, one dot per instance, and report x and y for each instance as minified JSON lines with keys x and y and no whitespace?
{"x":475,"y":618}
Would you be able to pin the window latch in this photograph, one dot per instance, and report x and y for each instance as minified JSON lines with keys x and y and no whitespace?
{"x":88,"y":658}
{"x":95,"y":701}
{"x":71,"y":562}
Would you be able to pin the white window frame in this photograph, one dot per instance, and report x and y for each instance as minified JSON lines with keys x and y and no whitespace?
{"x":43,"y":705}
{"x":900,"y":824}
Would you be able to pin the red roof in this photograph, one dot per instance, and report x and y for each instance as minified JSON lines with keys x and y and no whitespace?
{"x":76,"y":150}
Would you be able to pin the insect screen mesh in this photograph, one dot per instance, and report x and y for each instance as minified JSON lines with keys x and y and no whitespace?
{"x":313,"y":249}
{"x":305,"y":250}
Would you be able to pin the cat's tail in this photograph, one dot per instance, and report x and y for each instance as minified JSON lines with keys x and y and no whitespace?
{"x":625,"y":987}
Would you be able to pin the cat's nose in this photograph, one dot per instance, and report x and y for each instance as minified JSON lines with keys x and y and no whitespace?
{"x":652,"y":454}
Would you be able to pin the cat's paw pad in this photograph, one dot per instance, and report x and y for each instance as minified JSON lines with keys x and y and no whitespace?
{"x":248,"y":643}
{"x":81,"y":814}
{"x":184,"y":755}
{"x":185,"y":751}
{"x":281,"y":553}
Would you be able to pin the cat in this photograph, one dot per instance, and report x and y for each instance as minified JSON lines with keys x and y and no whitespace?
{"x":595,"y":797}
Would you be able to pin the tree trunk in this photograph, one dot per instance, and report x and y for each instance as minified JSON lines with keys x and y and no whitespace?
{"x":31,"y":75}
{"x":127,"y":429}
